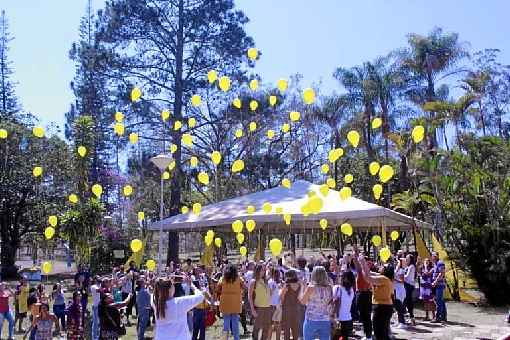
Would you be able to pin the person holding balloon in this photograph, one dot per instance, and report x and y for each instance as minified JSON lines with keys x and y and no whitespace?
{"x":363,"y":296}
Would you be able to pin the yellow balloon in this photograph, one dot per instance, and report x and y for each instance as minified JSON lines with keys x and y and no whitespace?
{"x":3,"y":134}
{"x":216,"y":157}
{"x":348,"y":178}
{"x":353,"y":138}
{"x":238,"y":133}
{"x":324,"y":168}
{"x":224,"y":83}
{"x":217,"y":242}
{"x":184,"y":209}
{"x":197,"y":207}
{"x":203,"y":178}
{"x":237,"y":226}
{"x":37,"y":171}
{"x":376,"y":240}
{"x":253,"y":53}
{"x":243,"y":251}
{"x":275,"y":245}
{"x":82,"y":151}
{"x":394,"y":235}
{"x":173,"y":148}
{"x":193,"y":161}
{"x":208,"y":240}
{"x":294,"y":116}
{"x":210,"y":233}
{"x":346,"y":229}
{"x":282,"y":85}
{"x":192,"y":122}
{"x":196,"y":100}
{"x":119,"y":129}
{"x":165,"y":114}
{"x":38,"y":131}
{"x":237,"y":166}
{"x":119,"y":117}
{"x":316,"y":203}
{"x":267,"y":208}
{"x":49,"y":232}
{"x":187,"y":139}
{"x":250,"y":209}
{"x":151,"y":265}
{"x":254,"y":105}
{"x":73,"y":198}
{"x":345,"y":193}
{"x":272,"y":100}
{"x":46,"y":267}
{"x":330,"y":182}
{"x":324,"y":190}
{"x":335,"y":154}
{"x":323,"y":223}
{"x":136,"y":245}
{"x":177,"y":125}
{"x":172,"y":165}
{"x":270,"y":134}
{"x":253,"y":126}
{"x":287,"y":218}
{"x":286,"y":127}
{"x":127,"y":190}
{"x":141,"y":216}
{"x":385,"y":173}
{"x":53,"y":220}
{"x":377,"y":189}
{"x":97,"y":190}
{"x":240,"y":238}
{"x":286,"y":183}
{"x":418,"y":133}
{"x":250,"y":225}
{"x":385,"y":254}
{"x":165,"y":175}
{"x":309,"y":96}
{"x":133,"y":138}
{"x":373,"y":168}
{"x":254,"y":84}
{"x":376,"y":123}
{"x":136,"y":94}
{"x":237,"y":103}
{"x":212,"y":75}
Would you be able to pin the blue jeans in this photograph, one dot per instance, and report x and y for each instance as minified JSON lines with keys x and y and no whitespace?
{"x":198,"y":324}
{"x":312,"y":329}
{"x":10,"y":319}
{"x":95,"y":322}
{"x":60,"y":313}
{"x":441,"y":305}
{"x":143,"y":322}
{"x":231,"y":324}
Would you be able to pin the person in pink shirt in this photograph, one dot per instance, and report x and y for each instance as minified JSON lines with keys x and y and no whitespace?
{"x":5,"y":310}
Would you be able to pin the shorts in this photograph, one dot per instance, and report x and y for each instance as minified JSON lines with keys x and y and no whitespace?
{"x":277,"y":313}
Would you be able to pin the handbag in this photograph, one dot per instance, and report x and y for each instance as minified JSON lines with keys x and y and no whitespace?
{"x":210,"y":317}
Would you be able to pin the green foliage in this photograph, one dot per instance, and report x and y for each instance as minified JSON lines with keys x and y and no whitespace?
{"x":9,"y":107}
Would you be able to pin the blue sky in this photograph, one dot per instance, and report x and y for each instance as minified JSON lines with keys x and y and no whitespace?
{"x":309,"y":37}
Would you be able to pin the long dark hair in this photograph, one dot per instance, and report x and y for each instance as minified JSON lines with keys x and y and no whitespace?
{"x":259,"y":268}
{"x":161,"y":295}
{"x":347,"y":281}
{"x":230,"y":273}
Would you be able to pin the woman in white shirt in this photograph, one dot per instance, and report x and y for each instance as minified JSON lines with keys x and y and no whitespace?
{"x":171,"y":313}
{"x":409,"y":278}
{"x":400,"y":292}
{"x":343,"y":295}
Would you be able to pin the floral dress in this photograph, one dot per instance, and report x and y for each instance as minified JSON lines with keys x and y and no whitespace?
{"x":426,"y":289}
{"x":74,"y":322}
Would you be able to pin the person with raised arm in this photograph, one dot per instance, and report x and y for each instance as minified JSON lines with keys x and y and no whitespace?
{"x":363,"y":296}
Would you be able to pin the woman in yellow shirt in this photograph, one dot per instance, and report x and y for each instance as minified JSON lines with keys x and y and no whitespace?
{"x":22,"y":301}
{"x":382,"y":283}
{"x":259,"y":295}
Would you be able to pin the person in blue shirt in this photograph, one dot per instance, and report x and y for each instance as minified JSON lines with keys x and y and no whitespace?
{"x":439,"y":285}
{"x":143,"y":302}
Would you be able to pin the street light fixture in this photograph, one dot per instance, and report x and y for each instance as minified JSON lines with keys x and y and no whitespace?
{"x":161,"y":161}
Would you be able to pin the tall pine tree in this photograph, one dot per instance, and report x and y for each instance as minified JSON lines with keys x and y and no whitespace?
{"x":9,"y":106}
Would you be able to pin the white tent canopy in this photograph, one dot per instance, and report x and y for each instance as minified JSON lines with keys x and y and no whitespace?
{"x":360,"y":214}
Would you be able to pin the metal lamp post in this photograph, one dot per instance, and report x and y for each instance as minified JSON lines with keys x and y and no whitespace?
{"x":161,"y":162}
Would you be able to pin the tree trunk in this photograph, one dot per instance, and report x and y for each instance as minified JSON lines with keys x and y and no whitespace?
{"x":8,"y":258}
{"x":177,"y":179}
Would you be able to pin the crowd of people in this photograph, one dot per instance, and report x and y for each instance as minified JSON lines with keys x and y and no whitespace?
{"x":290,"y":298}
